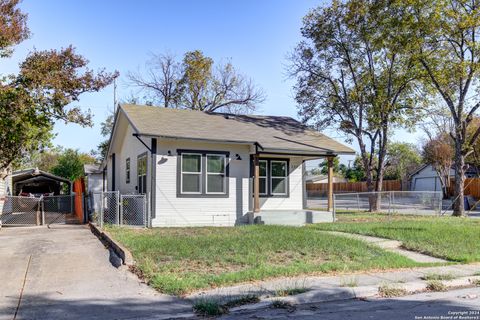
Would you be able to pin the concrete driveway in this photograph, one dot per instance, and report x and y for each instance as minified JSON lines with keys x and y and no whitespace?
{"x":63,"y":272}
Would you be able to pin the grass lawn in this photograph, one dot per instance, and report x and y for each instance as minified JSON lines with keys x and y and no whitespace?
{"x":182,"y":260}
{"x":456,"y":239}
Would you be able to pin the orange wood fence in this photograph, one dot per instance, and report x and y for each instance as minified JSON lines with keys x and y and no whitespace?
{"x":79,"y":189}
{"x":318,"y":189}
{"x":471,"y":188}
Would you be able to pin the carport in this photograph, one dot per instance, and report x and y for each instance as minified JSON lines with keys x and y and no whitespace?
{"x":35,"y":182}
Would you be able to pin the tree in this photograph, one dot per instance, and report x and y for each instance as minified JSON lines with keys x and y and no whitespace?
{"x":355,"y":73}
{"x":196,"y":83}
{"x":439,"y":153}
{"x":445,"y":39}
{"x":324,"y":166}
{"x":402,"y":159}
{"x":44,"y":160}
{"x":48,"y":81}
{"x":70,"y":164}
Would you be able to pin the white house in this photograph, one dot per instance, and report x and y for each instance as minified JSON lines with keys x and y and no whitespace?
{"x":95,"y":178}
{"x":202,"y":168}
{"x":426,"y":178}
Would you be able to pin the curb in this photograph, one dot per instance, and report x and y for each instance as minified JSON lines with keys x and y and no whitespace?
{"x":122,"y":252}
{"x":363,"y":292}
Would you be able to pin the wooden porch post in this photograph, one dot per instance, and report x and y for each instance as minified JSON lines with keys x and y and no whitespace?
{"x":330,"y":184}
{"x":256,"y":184}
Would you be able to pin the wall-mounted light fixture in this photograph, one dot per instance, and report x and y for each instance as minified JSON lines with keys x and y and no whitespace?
{"x":169,"y":152}
{"x":237,"y":157}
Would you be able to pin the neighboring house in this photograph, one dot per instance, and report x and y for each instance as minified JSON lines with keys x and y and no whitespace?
{"x":201,"y":168}
{"x":323,"y":179}
{"x":426,"y":178}
{"x":95,"y":178}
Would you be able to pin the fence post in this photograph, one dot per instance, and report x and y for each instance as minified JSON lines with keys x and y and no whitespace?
{"x":102,"y":200}
{"x":146,"y":210}
{"x":334,"y":209}
{"x":121,"y":211}
{"x":43,"y":210}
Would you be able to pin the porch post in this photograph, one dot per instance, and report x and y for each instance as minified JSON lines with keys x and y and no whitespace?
{"x":256,"y":184}
{"x":330,"y":184}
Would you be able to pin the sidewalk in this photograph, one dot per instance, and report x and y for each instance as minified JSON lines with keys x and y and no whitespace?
{"x":342,"y":287}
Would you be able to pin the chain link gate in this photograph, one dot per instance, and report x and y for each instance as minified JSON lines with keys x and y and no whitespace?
{"x":115,"y":209}
{"x":32,"y":211}
{"x":133,"y":210}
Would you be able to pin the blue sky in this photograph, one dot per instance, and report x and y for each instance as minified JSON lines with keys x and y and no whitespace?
{"x":120,"y":35}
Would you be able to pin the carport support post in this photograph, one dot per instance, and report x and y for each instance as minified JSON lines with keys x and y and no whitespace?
{"x":256,"y":184}
{"x":330,"y":184}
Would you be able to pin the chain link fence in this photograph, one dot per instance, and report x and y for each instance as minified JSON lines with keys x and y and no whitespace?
{"x":392,"y":202}
{"x":113,"y":208}
{"x":33,"y":211}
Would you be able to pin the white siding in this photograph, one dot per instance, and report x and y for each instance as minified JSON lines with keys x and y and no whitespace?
{"x":174,"y":211}
{"x":427,"y":179}
{"x":95,"y":182}
{"x":295,"y":199}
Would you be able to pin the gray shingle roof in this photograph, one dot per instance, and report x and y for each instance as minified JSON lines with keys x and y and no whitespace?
{"x":272,"y":133}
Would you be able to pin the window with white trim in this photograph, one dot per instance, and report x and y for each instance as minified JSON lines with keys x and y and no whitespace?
{"x":278,"y":177}
{"x":216,"y":173}
{"x":191,"y":173}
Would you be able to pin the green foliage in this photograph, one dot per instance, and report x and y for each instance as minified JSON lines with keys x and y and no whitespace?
{"x":402,"y":160}
{"x":70,"y":164}
{"x":32,"y":100}
{"x":355,"y":73}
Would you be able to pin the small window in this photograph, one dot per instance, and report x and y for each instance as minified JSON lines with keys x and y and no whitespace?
{"x":142,"y":174}
{"x":263,"y":177}
{"x":127,"y":170}
{"x":191,"y":179}
{"x":278,"y":177}
{"x":216,"y":173}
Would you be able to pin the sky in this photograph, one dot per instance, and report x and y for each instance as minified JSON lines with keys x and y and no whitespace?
{"x":256,"y":36}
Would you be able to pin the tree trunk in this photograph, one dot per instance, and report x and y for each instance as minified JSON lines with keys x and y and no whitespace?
{"x":458,"y":204}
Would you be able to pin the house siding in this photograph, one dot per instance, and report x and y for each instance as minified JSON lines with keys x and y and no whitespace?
{"x":295,"y":199}
{"x":180,"y":211}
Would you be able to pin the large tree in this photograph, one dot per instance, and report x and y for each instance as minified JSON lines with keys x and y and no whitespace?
{"x":354,"y":77}
{"x":402,"y":160}
{"x":70,"y":164}
{"x":196,"y":83}
{"x":445,"y":36}
{"x":42,"y":92}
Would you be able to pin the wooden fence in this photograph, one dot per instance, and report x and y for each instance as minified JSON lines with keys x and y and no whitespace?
{"x":471,"y":188}
{"x":320,"y":189}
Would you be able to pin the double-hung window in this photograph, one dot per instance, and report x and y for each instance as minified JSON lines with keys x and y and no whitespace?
{"x":278,"y":177}
{"x":191,"y":179}
{"x":263,"y":177}
{"x":216,"y":168}
{"x":142,"y":173}
{"x":127,"y":170}
{"x":202,"y":173}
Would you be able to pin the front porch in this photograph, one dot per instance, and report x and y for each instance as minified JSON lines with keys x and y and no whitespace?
{"x":291,"y":217}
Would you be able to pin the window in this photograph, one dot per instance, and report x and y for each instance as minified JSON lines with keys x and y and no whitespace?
{"x":278,"y":177}
{"x":216,"y":173}
{"x":127,"y":170}
{"x":202,"y":173}
{"x":273,"y":177}
{"x":191,"y":179}
{"x":263,"y":177}
{"x":142,"y":173}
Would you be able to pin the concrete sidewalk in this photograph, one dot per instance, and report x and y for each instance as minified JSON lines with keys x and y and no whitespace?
{"x":65,"y":273}
{"x":342,"y":287}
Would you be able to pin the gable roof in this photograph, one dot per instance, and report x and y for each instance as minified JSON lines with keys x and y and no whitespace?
{"x":271,"y":133}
